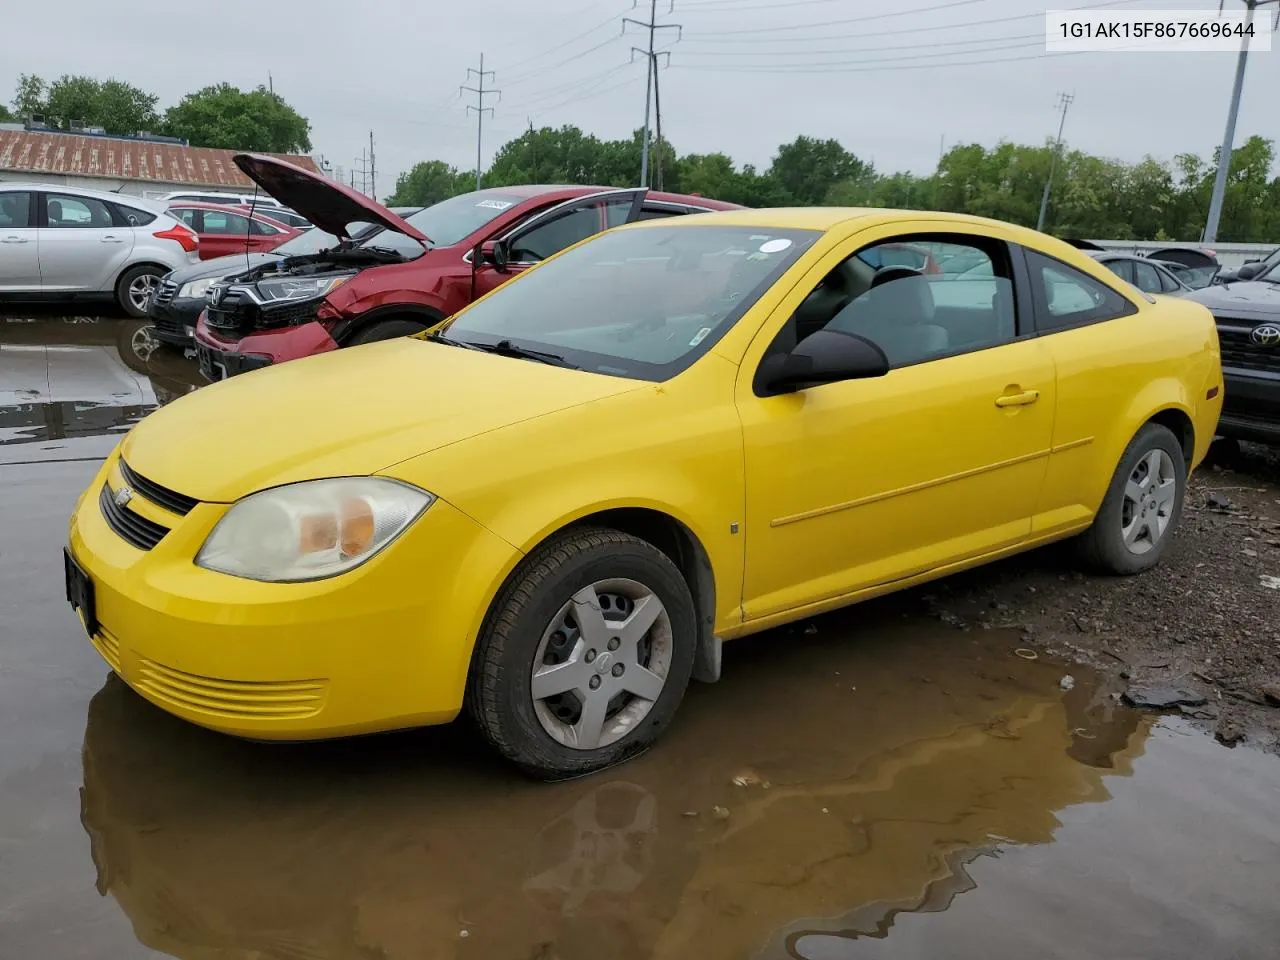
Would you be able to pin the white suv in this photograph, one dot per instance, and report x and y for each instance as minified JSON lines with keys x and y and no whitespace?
{"x":227,"y":199}
{"x":61,"y":242}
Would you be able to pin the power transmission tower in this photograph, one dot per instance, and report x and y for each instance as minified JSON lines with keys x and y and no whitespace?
{"x":651,"y":73}
{"x":479,"y":107}
{"x":1064,"y":104}
{"x":373,"y":176}
{"x":1210,"y":234}
{"x":363,"y":164}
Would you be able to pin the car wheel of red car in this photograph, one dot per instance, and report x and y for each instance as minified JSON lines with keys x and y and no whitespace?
{"x":387,"y":330}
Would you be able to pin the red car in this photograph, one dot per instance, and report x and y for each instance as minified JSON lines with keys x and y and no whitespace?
{"x":404,"y":278}
{"x":225,"y":230}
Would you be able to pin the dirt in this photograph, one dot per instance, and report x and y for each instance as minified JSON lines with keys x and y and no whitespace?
{"x":1205,"y":622}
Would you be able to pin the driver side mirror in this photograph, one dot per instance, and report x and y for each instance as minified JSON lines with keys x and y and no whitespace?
{"x":826,"y":356}
{"x":1249,"y":270}
{"x":492,"y":252}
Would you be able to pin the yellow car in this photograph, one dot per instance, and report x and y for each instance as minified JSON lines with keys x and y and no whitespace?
{"x":553,"y":508}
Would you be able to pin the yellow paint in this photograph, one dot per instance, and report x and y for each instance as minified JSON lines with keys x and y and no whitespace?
{"x":803,"y":502}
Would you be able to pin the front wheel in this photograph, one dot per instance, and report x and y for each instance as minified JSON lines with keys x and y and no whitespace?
{"x":1142,"y":506}
{"x":134,"y":289}
{"x":386,"y":330}
{"x":585,"y":655}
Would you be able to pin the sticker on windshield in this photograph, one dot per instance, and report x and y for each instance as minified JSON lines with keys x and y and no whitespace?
{"x":699,"y":336}
{"x":494,"y":204}
{"x":775,"y":246}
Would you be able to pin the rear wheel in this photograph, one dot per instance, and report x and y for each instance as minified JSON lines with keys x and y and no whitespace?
{"x":585,"y":656}
{"x":1142,"y":507}
{"x":387,"y":330}
{"x":134,"y":288}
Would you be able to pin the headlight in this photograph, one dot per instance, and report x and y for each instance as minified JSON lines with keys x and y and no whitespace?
{"x":311,"y":530}
{"x":282,"y":289}
{"x":196,"y":288}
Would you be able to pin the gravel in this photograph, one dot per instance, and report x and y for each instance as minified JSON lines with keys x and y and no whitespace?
{"x":1204,"y":625}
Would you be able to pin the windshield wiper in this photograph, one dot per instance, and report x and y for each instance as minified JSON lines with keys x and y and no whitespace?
{"x":505,"y":348}
{"x":447,"y":341}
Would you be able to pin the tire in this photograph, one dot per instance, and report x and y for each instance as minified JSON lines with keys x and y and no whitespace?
{"x":1105,"y":546}
{"x":533,"y":621}
{"x":132,"y":292}
{"x":386,"y":330}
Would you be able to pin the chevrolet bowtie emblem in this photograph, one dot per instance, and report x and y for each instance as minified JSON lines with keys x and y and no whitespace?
{"x":123,"y":496}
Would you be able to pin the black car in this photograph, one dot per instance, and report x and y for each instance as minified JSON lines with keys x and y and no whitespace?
{"x":1248,"y":316}
{"x":1251,"y":269}
{"x":1149,"y":276}
{"x":180,"y":296}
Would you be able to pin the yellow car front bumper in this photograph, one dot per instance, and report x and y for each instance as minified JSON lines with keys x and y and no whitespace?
{"x":384,"y":646}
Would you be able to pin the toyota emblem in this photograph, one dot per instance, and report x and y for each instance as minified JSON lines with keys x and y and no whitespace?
{"x":1267,"y":335}
{"x":122,"y":496}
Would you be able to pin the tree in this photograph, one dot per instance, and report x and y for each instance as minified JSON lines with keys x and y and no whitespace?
{"x":5,"y":115}
{"x":807,"y":168}
{"x":225,"y":116}
{"x":29,"y":97}
{"x":114,"y":105}
{"x":428,"y":183}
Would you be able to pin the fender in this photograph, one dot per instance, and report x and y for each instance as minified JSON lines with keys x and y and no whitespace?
{"x":347,"y":326}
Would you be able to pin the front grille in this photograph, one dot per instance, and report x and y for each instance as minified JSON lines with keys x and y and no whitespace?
{"x":1242,"y":353}
{"x":238,"y":314}
{"x":171,"y":500}
{"x":231,"y":699}
{"x":166,"y":292}
{"x":134,"y":529}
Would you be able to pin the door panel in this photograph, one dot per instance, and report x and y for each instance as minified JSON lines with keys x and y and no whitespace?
{"x":19,"y":257}
{"x":860,"y":483}
{"x":80,"y":249}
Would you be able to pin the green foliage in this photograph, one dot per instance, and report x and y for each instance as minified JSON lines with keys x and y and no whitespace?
{"x":429,"y":183}
{"x":69,"y":101}
{"x":29,"y":96}
{"x":226,"y":116}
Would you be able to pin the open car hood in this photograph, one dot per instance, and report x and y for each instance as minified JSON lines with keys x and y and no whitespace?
{"x":327,"y":204}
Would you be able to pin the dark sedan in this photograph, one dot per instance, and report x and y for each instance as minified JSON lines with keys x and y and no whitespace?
{"x":1149,"y":276}
{"x":180,"y":295}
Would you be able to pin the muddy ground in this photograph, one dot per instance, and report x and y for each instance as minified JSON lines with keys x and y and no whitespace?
{"x":1205,"y":622}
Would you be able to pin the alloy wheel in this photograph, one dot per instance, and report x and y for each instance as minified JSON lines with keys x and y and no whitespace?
{"x":141,"y":288}
{"x":1149,"y":498}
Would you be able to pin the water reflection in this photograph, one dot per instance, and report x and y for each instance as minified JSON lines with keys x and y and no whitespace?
{"x":820,"y":790}
{"x":66,"y":380}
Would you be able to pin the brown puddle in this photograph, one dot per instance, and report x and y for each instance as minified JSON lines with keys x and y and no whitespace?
{"x":900,"y":792}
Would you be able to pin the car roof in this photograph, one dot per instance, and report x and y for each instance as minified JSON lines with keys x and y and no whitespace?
{"x":570,"y":190}
{"x":243,"y":208}
{"x":128,"y":199}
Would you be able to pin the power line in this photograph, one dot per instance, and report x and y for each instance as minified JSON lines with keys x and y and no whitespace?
{"x":564,"y":88}
{"x":876,"y":49}
{"x":927,"y":28}
{"x":1064,"y":104}
{"x":816,"y":65}
{"x":564,"y":62}
{"x":613,"y":19}
{"x":950,"y":4}
{"x":479,"y":107}
{"x":651,"y":78}
{"x":875,"y":69}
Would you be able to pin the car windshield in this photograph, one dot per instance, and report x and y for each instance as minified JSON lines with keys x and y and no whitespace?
{"x":315,"y":240}
{"x":450,"y":221}
{"x":1269,"y":271}
{"x":641,"y":302}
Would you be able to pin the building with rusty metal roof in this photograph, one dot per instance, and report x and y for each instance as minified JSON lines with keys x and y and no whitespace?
{"x":142,"y":166}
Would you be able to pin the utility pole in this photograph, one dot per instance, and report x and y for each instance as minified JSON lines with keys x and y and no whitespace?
{"x":1210,"y":234}
{"x":271,"y":87}
{"x":651,"y":73}
{"x":363,"y":163}
{"x":373,"y":176}
{"x":1064,"y":104}
{"x":479,"y":107}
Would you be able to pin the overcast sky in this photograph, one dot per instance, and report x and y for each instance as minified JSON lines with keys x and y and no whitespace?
{"x":889,"y":83}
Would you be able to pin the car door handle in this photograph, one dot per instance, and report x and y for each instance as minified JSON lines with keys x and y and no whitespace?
{"x":1017,"y":399}
{"x":112,"y":240}
{"x":14,"y":240}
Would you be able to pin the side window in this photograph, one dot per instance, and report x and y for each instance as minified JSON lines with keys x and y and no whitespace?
{"x":262,"y":229}
{"x":1167,"y":283}
{"x":132,"y":216}
{"x":1121,"y":268}
{"x":15,"y":209}
{"x":224,"y":222}
{"x":552,"y":236}
{"x":1068,"y":298}
{"x":895,"y":294}
{"x":660,"y":213}
{"x":1147,"y":279}
{"x":64,"y":210}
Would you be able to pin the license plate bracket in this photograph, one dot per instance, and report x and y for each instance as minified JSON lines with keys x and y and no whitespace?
{"x":80,"y":592}
{"x":210,"y":368}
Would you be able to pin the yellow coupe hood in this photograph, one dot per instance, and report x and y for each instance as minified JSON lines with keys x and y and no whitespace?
{"x":347,"y":413}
